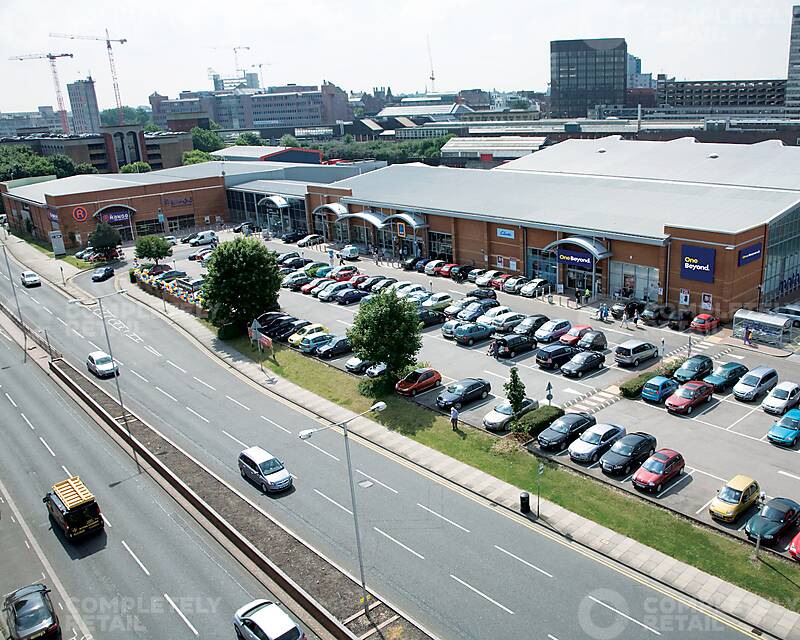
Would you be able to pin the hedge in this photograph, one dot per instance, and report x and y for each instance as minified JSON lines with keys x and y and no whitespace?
{"x":536,"y":421}
{"x":632,"y":387}
{"x":230,"y":331}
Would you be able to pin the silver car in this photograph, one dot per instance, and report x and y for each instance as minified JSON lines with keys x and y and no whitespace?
{"x":594,"y":442}
{"x":755,"y":382}
{"x":499,"y":417}
{"x":533,"y":288}
{"x":632,"y":352}
{"x":783,"y":397}
{"x":505,"y":322}
{"x":264,"y":470}
{"x":101,"y":364}
{"x":265,"y":620}
{"x":552,"y":330}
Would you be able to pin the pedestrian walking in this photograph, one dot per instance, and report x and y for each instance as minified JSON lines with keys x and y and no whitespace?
{"x":586,"y":295}
{"x":341,"y":259}
{"x":577,"y":297}
{"x":636,"y":318}
{"x":747,"y":336}
{"x":454,"y":418}
{"x":624,"y":322}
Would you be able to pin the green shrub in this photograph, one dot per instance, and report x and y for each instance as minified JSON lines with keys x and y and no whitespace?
{"x":536,"y":421}
{"x":632,"y":387}
{"x":230,"y":331}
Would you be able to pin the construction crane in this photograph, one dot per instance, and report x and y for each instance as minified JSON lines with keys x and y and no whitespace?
{"x":260,"y":72}
{"x":59,"y":96}
{"x":430,"y":59}
{"x":108,"y":40}
{"x":236,"y":51}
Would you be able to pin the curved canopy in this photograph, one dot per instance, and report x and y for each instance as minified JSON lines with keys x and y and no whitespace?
{"x":597,"y":249}
{"x":375,"y":218}
{"x":336,"y":208}
{"x":412,"y":220}
{"x":279,"y":202}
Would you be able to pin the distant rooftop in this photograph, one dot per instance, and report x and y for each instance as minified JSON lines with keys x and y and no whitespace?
{"x":423,"y":110}
{"x":502,"y":146}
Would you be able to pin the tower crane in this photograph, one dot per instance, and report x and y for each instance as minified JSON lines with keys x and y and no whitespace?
{"x":430,"y":59}
{"x":108,"y":40}
{"x":260,"y":72}
{"x":59,"y":96}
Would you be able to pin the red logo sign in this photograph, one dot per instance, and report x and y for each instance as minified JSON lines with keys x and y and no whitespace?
{"x":80,"y":214}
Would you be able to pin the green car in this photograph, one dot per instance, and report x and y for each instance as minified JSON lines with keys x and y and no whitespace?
{"x":311,"y":269}
{"x":725,"y":375}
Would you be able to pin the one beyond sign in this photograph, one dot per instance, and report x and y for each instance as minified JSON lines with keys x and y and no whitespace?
{"x":697,"y":263}
{"x":750,"y":254}
{"x":575,"y":258}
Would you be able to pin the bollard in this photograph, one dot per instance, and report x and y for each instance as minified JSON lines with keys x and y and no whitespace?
{"x":524,"y":502}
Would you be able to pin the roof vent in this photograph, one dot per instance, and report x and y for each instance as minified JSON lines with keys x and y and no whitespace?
{"x":713,"y":155}
{"x":601,"y":150}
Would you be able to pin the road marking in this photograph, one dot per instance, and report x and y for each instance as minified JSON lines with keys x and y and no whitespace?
{"x":193,"y":412}
{"x":35,"y":300}
{"x":80,"y":335}
{"x":399,"y":544}
{"x":525,"y":562}
{"x":497,"y":375}
{"x":733,"y":355}
{"x":686,"y":476}
{"x":275,"y":424}
{"x":11,"y":400}
{"x":25,"y":418}
{"x":69,"y":475}
{"x":746,"y":415}
{"x":349,"y":324}
{"x":171,"y":397}
{"x":627,"y":617}
{"x":704,"y":507}
{"x":151,"y":350}
{"x":710,"y":475}
{"x":133,"y":555}
{"x":456,"y":292}
{"x":48,"y":310}
{"x":385,"y":486}
{"x":108,"y":524}
{"x":551,"y":637}
{"x":243,"y":406}
{"x":171,"y":363}
{"x":439,"y":515}
{"x":94,"y":345}
{"x":568,"y":390}
{"x":119,"y":362}
{"x":204,"y":383}
{"x":790,"y":475}
{"x":235,"y":439}
{"x":61,"y":321}
{"x":330,"y":455}
{"x":6,"y":336}
{"x":180,"y":613}
{"x":47,"y":446}
{"x":141,"y":377}
{"x":332,"y":501}
{"x":483,"y":595}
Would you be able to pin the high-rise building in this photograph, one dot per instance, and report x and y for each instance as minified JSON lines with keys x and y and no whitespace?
{"x":83,"y":102}
{"x":585,"y":73}
{"x":793,"y":82}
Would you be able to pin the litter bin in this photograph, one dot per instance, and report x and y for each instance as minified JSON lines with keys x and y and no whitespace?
{"x":524,"y":502}
{"x":550,"y":298}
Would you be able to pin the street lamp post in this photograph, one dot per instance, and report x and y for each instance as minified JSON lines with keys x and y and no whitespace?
{"x":19,"y":309}
{"x":305,"y":435}
{"x":761,"y":499}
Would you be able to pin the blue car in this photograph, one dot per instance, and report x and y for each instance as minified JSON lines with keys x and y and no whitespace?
{"x":658,"y":389}
{"x":786,"y":431}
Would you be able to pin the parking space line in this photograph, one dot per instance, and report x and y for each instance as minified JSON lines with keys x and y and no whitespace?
{"x":749,"y":413}
{"x":789,"y":475}
{"x":348,"y":324}
{"x":569,"y":390}
{"x":627,"y":617}
{"x":710,"y":475}
{"x":332,"y":501}
{"x":704,"y":507}
{"x":439,"y":515}
{"x":525,"y":562}
{"x":497,"y":375}
{"x":685,"y":476}
{"x":399,"y":544}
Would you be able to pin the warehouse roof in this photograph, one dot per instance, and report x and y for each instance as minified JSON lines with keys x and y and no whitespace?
{"x":423,"y":110}
{"x":500,"y":146}
{"x":278,"y":187}
{"x":609,"y":207}
{"x":242,"y":152}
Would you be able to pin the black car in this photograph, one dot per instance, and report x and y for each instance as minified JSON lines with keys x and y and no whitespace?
{"x":296,"y":263}
{"x":29,"y":613}
{"x":695,"y":368}
{"x":460,"y":272}
{"x":239,"y":228}
{"x":299,"y":281}
{"x":283,"y":257}
{"x":629,"y":306}
{"x":189,"y":238}
{"x":593,"y":341}
{"x":482,"y":293}
{"x":680,"y":319}
{"x":285,"y":330}
{"x":383,"y":284}
{"x":552,"y":356}
{"x":429,"y":317}
{"x":655,"y":314}
{"x":102,"y":273}
{"x":564,"y":430}
{"x":277,"y":325}
{"x":269,"y":316}
{"x":349,"y":296}
{"x":628,"y":453}
{"x":530,"y":324}
{"x":292,"y":236}
{"x":463,"y":391}
{"x":583,"y":363}
{"x":366,"y":285}
{"x":410,"y":263}
{"x":336,"y":347}
{"x":510,"y":345}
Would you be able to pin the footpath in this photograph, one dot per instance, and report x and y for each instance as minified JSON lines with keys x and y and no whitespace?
{"x":751,"y":614}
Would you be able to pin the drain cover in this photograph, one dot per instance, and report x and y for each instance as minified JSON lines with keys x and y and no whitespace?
{"x":365,"y":483}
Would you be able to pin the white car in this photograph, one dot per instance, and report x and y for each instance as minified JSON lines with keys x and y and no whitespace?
{"x":327,"y":294}
{"x":265,"y":620}
{"x":491,"y":314}
{"x":410,"y":290}
{"x":432,"y":265}
{"x":438,"y":301}
{"x":172,"y":240}
{"x":30,"y":279}
{"x":485,"y":279}
{"x":101,"y":364}
{"x":377,"y":369}
{"x":499,"y":417}
{"x":533,"y":288}
{"x":264,"y":470}
{"x":396,"y":286}
{"x":783,"y":397}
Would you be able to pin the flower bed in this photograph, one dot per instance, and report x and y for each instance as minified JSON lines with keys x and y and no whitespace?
{"x":189,"y":301}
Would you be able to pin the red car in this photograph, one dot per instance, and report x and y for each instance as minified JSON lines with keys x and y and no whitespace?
{"x":573,"y":336}
{"x":794,"y":547}
{"x":500,"y":280}
{"x":658,"y":470}
{"x":357,"y":280}
{"x":340,"y":274}
{"x":704,"y":323}
{"x":158,"y":269}
{"x":306,"y":288}
{"x":688,"y":396}
{"x":418,"y":381}
{"x":445,"y":269}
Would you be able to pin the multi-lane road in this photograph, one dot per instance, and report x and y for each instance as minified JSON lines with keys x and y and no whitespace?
{"x":460,"y":568}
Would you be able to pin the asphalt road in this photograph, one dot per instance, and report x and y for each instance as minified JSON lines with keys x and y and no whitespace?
{"x":460,"y":567}
{"x":153,"y":572}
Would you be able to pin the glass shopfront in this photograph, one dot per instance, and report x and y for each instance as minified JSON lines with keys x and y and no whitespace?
{"x":631,"y":280}
{"x":542,"y":264}
{"x":440,"y":246}
{"x":782,"y":260}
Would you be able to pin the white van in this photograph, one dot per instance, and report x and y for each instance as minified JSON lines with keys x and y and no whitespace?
{"x":204,"y":237}
{"x":350,"y":252}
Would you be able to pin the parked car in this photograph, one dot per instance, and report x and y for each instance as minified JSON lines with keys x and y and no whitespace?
{"x":688,"y":396}
{"x":695,"y":368}
{"x":409,"y":263}
{"x":628,"y":453}
{"x":417,"y":297}
{"x":508,"y":346}
{"x":458,"y":306}
{"x":627,"y":305}
{"x":704,"y":323}
{"x":473,"y":275}
{"x":343,"y":273}
{"x":783,"y":397}
{"x":754,"y":383}
{"x":30,"y":614}
{"x":419,"y":267}
{"x":552,"y":330}
{"x":322,"y":286}
{"x":463,"y":392}
{"x":291,"y":236}
{"x":30,"y":279}
{"x":485,"y":279}
{"x":552,"y":356}
{"x":310,"y":240}
{"x":794,"y":547}
{"x":349,"y":252}
{"x":736,"y":497}
{"x":411,"y":289}
{"x":329,"y":292}
{"x":204,"y":237}
{"x":377,"y":370}
{"x":315,"y":327}
{"x":498,"y":419}
{"x":633,"y":352}
{"x":369,"y":282}
{"x":283,"y":331}
{"x":593,"y":341}
{"x":87,"y":250}
{"x":774,"y":518}
{"x":488,"y":316}
{"x":659,"y":469}
{"x":102,"y":365}
{"x":725,"y":375}
{"x":449,"y":327}
{"x":446,"y":269}
{"x":786,"y":431}
{"x":460,"y":273}
{"x":594,"y":442}
{"x":418,"y":381}
{"x":438,"y":301}
{"x":196,"y":256}
{"x":102,"y":273}
{"x":535,"y":287}
{"x":573,"y":336}
{"x":293,"y":277}
{"x":158,"y":269}
{"x":482,"y":293}
{"x":265,"y":620}
{"x":357,"y":279}
{"x":471,"y":332}
{"x":658,"y":388}
{"x":477,"y":309}
{"x":357,"y":365}
{"x":505,"y":322}
{"x":313,"y":268}
{"x":428,"y":317}
{"x":350,"y":295}
{"x":655,"y":314}
{"x":337,"y":346}
{"x":299,"y":263}
{"x":562,"y":431}
{"x":500,"y":281}
{"x":383,"y":285}
{"x":430,"y":267}
{"x":313,"y":284}
{"x":313,"y":341}
{"x":514,"y":284}
{"x":680,"y":319}
{"x":271,"y":321}
{"x":264,"y":470}
{"x":397,"y":285}
{"x":531,"y":324}
{"x":582,"y":363}
{"x":366,"y":299}
{"x":283,"y":257}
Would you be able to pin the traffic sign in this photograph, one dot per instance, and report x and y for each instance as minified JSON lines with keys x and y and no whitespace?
{"x":549,"y":392}
{"x":540,"y":470}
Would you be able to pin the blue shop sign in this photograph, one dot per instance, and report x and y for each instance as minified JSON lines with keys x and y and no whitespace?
{"x":697,"y":263}
{"x":578,"y":259}
{"x":505,"y":233}
{"x":749,"y":254}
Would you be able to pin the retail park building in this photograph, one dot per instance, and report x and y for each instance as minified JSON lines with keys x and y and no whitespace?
{"x":708,"y":226}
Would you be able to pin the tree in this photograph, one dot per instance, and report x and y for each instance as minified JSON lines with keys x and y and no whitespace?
{"x":242,"y":283}
{"x":152,"y":248}
{"x":84,"y":167}
{"x":135,"y":167}
{"x":20,"y":161}
{"x":104,"y":238}
{"x":248,"y":139}
{"x":196,"y":157}
{"x":387,"y":329}
{"x":348,"y":138}
{"x":151,"y":128}
{"x":205,"y":140}
{"x":515,"y":390}
{"x":130,"y":115}
{"x":288,"y":140}
{"x":519,"y":103}
{"x":63,"y":165}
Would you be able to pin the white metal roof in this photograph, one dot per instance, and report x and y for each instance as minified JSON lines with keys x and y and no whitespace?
{"x":247,"y":152}
{"x":501,"y":146}
{"x":422,"y":110}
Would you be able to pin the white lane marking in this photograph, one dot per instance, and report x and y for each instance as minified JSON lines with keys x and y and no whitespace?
{"x":108,"y":524}
{"x":141,"y":377}
{"x":204,"y":383}
{"x":6,"y":336}
{"x":180,"y":613}
{"x":243,"y":406}
{"x":674,"y":484}
{"x":80,"y":335}
{"x":35,"y":300}
{"x":551,"y":637}
{"x":332,"y":501}
{"x":627,"y":617}
{"x":439,"y":515}
{"x":385,"y":486}
{"x":568,"y":390}
{"x":171,"y":363}
{"x":60,"y":606}
{"x":69,"y":475}
{"x":28,"y":422}
{"x":454,"y":291}
{"x":348,"y":324}
{"x":789,"y":475}
{"x":5,"y":276}
{"x":235,"y":439}
{"x":171,"y":397}
{"x":399,"y":544}
{"x":133,"y":555}
{"x":47,"y":446}
{"x":525,"y":562}
{"x":48,"y":310}
{"x":61,"y":321}
{"x":193,"y":412}
{"x":710,"y":475}
{"x":746,"y":415}
{"x":330,"y":455}
{"x":96,"y":348}
{"x":481,"y":594}
{"x":733,"y":355}
{"x":275,"y":424}
{"x":492,"y":373}
{"x":151,"y":350}
{"x":703,"y":508}
{"x":11,"y":400}
{"x":119,"y":362}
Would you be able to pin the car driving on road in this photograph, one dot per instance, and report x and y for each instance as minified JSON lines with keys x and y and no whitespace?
{"x":30,"y":614}
{"x":102,"y":273}
{"x":264,"y":470}
{"x":30,"y":279}
{"x":101,"y":364}
{"x":265,"y":620}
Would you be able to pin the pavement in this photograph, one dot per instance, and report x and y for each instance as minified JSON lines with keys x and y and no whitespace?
{"x":416,"y":501}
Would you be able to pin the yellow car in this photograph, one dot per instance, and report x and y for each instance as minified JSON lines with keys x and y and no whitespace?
{"x":314,"y":327}
{"x":734,"y":499}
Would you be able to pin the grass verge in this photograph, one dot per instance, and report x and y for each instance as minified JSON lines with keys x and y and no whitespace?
{"x":772,"y":578}
{"x":45,"y":249}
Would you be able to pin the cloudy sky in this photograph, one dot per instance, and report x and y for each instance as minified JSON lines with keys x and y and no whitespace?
{"x":359,"y":44}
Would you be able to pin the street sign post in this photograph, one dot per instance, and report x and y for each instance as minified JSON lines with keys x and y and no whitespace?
{"x":549,"y":393}
{"x":539,"y":473}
